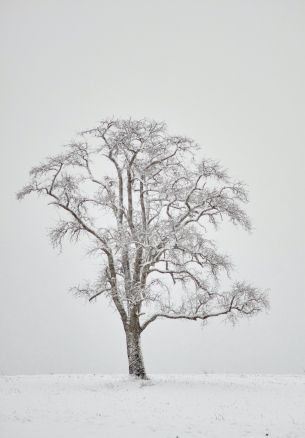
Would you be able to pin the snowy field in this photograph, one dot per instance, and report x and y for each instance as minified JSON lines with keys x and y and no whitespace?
{"x":207,"y":406}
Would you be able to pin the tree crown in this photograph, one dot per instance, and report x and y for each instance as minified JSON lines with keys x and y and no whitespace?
{"x":146,"y":204}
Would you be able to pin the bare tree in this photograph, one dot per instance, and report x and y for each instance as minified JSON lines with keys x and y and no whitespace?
{"x":146,"y":204}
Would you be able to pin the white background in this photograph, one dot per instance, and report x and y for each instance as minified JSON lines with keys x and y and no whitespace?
{"x":228,"y":74}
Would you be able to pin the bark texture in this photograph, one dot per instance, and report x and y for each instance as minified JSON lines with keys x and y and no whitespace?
{"x":134,"y":353}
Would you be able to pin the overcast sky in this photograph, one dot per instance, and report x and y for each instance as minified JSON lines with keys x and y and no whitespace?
{"x":229,"y":74}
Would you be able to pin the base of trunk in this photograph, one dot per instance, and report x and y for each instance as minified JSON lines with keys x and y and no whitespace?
{"x":140,"y":376}
{"x":135,"y":358}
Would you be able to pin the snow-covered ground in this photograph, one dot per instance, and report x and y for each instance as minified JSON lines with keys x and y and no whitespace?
{"x":211,"y":405}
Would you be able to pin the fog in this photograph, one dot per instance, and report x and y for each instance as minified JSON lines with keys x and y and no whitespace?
{"x":228,"y":74}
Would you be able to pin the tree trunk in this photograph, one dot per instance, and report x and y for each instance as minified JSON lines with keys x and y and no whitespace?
{"x":135,"y":358}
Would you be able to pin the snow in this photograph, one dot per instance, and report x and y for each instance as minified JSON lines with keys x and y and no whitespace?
{"x":166,"y":406}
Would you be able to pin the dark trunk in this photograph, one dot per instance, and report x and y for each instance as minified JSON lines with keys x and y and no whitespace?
{"x":135,"y":358}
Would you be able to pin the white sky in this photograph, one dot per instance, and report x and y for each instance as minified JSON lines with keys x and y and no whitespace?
{"x":228,"y":74}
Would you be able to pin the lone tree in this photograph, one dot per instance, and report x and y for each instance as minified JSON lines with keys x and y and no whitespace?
{"x":146,"y":204}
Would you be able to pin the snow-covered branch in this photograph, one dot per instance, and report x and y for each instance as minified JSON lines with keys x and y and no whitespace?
{"x":242,"y":301}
